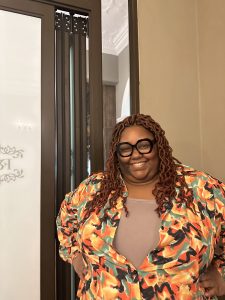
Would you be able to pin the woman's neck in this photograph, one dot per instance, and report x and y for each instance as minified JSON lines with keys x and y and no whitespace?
{"x":141,"y":191}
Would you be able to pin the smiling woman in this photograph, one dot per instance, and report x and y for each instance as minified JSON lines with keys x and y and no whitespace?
{"x":148,"y":227}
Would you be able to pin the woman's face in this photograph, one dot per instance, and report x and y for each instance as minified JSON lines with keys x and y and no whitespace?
{"x":138,"y":168}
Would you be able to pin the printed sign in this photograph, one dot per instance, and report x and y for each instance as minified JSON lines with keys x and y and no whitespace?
{"x":8,"y":171}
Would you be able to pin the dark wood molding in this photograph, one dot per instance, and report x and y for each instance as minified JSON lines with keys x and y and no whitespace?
{"x":95,"y":88}
{"x":48,"y":183}
{"x":83,"y":5}
{"x":134,"y":56}
{"x":63,"y":272}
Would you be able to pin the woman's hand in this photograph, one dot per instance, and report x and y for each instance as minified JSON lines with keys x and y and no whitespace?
{"x":213,"y":282}
{"x":79,"y":266}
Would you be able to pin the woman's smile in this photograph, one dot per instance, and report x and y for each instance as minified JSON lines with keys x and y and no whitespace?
{"x":138,"y":165}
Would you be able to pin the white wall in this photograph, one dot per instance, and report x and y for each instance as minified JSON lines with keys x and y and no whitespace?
{"x":110,"y":73}
{"x":182,"y":71}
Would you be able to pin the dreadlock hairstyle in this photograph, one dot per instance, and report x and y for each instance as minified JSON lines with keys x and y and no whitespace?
{"x":112,"y":183}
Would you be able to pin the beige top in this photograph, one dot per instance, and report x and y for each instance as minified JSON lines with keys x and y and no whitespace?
{"x":138,"y":233}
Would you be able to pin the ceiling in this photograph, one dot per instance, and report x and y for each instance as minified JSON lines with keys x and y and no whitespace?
{"x":114,"y":26}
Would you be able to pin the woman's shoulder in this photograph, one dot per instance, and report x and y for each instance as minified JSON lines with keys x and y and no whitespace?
{"x":85,"y":191}
{"x":201,"y":180}
{"x":89,"y":185}
{"x":195,"y":173}
{"x":94,"y":180}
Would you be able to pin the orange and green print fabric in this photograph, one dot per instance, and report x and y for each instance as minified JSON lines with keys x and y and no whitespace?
{"x":189,"y":241}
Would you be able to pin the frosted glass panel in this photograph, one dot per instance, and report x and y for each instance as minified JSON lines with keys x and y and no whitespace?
{"x":20,"y":156}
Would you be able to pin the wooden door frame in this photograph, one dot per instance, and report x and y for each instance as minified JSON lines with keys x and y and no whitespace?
{"x":134,"y":57}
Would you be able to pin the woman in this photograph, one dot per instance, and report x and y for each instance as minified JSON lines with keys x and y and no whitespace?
{"x":148,"y":227}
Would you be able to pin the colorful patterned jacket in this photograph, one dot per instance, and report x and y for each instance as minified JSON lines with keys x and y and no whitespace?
{"x":189,"y":242}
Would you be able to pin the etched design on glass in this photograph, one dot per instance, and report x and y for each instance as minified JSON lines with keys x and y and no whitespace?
{"x":7,"y":155}
{"x":12,"y":151}
{"x":11,"y":176}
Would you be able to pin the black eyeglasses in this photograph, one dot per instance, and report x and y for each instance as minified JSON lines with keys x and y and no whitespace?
{"x":143,"y":146}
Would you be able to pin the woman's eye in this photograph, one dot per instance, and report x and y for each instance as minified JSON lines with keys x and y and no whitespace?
{"x":143,"y":146}
{"x":125,"y":149}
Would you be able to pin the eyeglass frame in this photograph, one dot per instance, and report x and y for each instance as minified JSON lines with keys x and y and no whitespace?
{"x":152,"y":143}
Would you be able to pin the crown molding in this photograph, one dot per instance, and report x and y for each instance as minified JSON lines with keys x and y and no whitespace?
{"x":115,"y":35}
{"x":121,"y":40}
{"x":114,"y":44}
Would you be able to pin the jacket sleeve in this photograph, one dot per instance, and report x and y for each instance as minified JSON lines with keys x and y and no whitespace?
{"x":219,"y":256}
{"x":67,"y":226}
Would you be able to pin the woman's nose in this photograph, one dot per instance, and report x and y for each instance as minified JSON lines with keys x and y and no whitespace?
{"x":136,"y":153}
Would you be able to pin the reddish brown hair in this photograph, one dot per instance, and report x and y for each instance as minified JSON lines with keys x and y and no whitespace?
{"x":165,"y":189}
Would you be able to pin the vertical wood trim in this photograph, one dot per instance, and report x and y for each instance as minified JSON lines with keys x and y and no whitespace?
{"x":63,"y":148}
{"x":59,"y":114}
{"x":134,"y":61}
{"x":47,"y":156}
{"x":95,"y":85}
{"x":67,"y":140}
{"x":84,"y":105}
{"x":77,"y":111}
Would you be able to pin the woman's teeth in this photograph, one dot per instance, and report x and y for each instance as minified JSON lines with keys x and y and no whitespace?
{"x":140,"y":164}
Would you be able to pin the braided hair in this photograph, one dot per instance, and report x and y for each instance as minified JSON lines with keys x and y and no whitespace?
{"x":112,"y":185}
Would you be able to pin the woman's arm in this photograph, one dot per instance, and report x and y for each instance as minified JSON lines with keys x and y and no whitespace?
{"x":214,"y":278}
{"x":67,"y":227}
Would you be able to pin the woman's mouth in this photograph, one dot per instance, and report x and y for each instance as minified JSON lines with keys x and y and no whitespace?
{"x":138,"y":165}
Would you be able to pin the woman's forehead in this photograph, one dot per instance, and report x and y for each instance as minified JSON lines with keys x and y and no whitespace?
{"x":133,"y":133}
